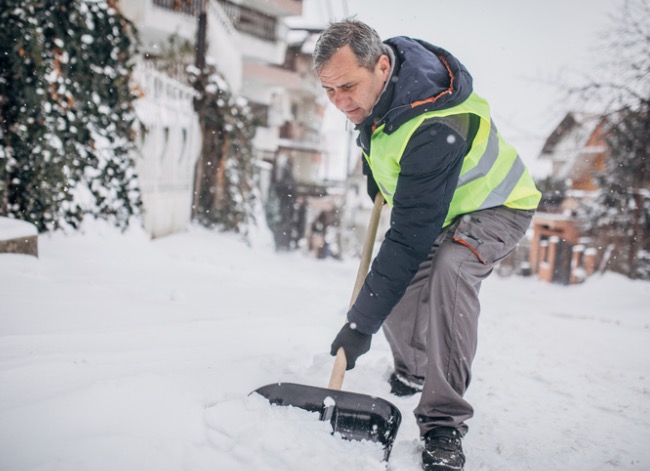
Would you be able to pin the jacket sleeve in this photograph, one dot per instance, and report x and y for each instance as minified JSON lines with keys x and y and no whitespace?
{"x":371,"y":184}
{"x":429,"y":171}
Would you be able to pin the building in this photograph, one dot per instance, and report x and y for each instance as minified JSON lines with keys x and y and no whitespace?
{"x":261,"y":59}
{"x":573,"y":153}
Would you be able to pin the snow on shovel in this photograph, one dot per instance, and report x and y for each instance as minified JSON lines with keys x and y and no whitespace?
{"x":354,"y":416}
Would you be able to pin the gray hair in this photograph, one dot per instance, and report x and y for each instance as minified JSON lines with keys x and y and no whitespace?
{"x":362,"y":39}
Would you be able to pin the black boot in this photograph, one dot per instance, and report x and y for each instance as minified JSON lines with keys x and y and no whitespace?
{"x":404,"y":387}
{"x":443,"y":450}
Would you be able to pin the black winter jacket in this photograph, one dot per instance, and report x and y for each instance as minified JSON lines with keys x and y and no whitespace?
{"x":429,"y":170}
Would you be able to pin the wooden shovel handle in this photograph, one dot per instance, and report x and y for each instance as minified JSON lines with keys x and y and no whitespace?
{"x":340,"y":363}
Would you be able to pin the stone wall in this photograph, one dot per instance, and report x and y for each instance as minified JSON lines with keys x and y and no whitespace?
{"x":18,"y":237}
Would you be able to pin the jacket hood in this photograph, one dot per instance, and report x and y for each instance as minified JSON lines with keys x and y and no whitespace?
{"x":424,"y":78}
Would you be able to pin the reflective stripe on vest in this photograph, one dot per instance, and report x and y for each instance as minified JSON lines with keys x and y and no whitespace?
{"x":492,"y":173}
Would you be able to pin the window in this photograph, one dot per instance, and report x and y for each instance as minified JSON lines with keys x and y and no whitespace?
{"x":260,"y":114}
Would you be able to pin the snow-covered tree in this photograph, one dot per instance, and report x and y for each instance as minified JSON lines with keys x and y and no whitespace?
{"x":66,"y":132}
{"x":620,"y":215}
{"x":226,"y":183}
{"x":226,"y":180}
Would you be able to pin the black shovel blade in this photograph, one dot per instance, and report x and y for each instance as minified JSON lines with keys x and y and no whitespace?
{"x":355,"y":416}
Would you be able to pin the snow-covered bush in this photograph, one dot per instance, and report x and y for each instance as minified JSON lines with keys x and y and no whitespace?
{"x":67,"y":116}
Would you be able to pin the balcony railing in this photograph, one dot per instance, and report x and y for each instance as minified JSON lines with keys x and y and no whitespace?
{"x":244,"y":19}
{"x":249,"y":21}
{"x":191,"y":7}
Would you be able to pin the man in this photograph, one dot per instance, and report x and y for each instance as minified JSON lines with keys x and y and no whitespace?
{"x":460,"y":200}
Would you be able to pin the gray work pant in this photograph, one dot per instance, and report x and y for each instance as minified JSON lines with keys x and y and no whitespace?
{"x":432,"y":331}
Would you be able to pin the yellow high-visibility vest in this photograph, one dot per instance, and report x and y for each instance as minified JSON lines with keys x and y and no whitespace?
{"x":492,"y":173}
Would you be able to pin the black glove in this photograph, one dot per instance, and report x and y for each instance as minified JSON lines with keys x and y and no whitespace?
{"x":354,"y":344}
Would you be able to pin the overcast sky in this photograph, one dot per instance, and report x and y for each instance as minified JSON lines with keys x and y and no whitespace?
{"x":520,"y":53}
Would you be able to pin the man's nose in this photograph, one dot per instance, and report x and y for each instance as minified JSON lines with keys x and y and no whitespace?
{"x":339,"y":100}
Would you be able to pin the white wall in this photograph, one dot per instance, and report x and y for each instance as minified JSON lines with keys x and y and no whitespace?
{"x":167,"y":151}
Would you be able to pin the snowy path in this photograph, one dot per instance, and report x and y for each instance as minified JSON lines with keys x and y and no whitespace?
{"x":121,"y":353}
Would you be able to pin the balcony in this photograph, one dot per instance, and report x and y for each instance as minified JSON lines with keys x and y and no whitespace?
{"x":258,"y":19}
{"x":191,"y":7}
{"x":249,"y":21}
{"x":158,"y":20}
{"x":277,"y":8}
{"x":272,"y":76}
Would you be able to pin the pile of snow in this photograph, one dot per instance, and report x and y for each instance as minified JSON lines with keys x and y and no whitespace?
{"x":14,"y":229}
{"x":121,"y":353}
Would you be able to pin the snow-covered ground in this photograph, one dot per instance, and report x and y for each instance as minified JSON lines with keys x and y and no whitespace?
{"x":121,"y":353}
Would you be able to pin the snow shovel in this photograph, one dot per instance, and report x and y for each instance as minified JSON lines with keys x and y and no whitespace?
{"x":354,"y":416}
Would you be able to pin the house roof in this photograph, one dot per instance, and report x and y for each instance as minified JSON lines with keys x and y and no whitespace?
{"x":569,"y":146}
{"x":575,"y":128}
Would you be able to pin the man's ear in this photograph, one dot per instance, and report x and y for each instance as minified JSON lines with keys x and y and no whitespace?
{"x":383,"y":65}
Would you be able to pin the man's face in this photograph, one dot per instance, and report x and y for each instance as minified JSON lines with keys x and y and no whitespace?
{"x":351,"y":88}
